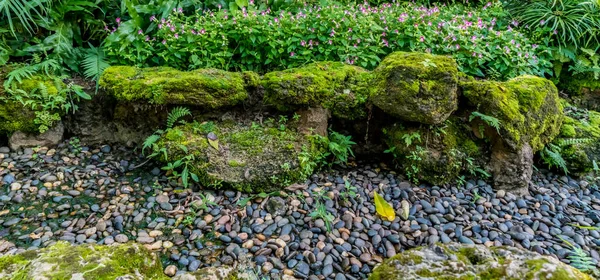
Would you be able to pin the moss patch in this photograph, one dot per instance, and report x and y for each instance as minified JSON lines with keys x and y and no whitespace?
{"x":432,"y":153}
{"x":341,"y":88}
{"x":63,"y":261}
{"x":470,"y":262}
{"x":417,"y":87}
{"x":14,"y":116}
{"x":579,"y":139}
{"x":528,"y":108}
{"x":250,"y":158}
{"x":208,"y":88}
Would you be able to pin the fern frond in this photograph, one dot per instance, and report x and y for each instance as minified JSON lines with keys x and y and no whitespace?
{"x":150,"y":141}
{"x":94,"y":63}
{"x":553,"y":158}
{"x":489,"y":120}
{"x":579,"y":259}
{"x":48,"y":66}
{"x":573,"y":141}
{"x":19,"y":75}
{"x":176,"y":114}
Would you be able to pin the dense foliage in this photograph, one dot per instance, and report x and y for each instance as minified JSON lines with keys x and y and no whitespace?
{"x":356,"y":34}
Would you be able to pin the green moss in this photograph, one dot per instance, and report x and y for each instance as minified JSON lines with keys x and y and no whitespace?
{"x":528,"y":108}
{"x":436,"y":154}
{"x":417,"y":87}
{"x":537,"y":271}
{"x":208,"y":88}
{"x":14,"y":116}
{"x":341,"y":88}
{"x":249,"y":158}
{"x":468,"y":262}
{"x":63,"y":261}
{"x":583,"y":128}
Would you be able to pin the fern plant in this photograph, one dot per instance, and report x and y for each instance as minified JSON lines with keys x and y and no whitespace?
{"x":489,"y":120}
{"x":579,"y":259}
{"x":94,"y":63}
{"x":551,"y":155}
{"x":180,"y":168}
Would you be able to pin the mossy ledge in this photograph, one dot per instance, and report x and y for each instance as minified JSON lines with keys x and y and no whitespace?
{"x":528,"y":108}
{"x":456,"y":261}
{"x":248,"y":157}
{"x":64,"y":261}
{"x":341,"y":88}
{"x":416,"y":87}
{"x":205,"y":88}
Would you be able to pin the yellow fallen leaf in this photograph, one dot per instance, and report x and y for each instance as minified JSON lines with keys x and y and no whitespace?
{"x":214,"y":144}
{"x":405,"y":210}
{"x":384,"y":209}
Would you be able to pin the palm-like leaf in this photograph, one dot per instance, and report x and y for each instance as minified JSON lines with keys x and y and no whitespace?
{"x":21,"y":10}
{"x":94,"y":63}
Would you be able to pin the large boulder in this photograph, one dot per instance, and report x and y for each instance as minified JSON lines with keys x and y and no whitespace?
{"x":64,"y":261}
{"x":416,"y":87}
{"x":529,"y":114}
{"x":435,"y":154}
{"x":461,"y":261}
{"x":342,"y":89}
{"x":528,"y":108}
{"x":248,"y":157}
{"x":579,"y":139}
{"x":204,"y":88}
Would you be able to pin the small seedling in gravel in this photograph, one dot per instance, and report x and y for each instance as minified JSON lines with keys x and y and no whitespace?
{"x":348,"y":192}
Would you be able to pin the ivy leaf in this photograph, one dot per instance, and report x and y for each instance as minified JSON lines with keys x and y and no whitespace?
{"x":384,"y":209}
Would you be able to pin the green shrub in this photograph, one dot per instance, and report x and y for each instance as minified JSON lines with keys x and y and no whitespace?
{"x":251,"y":39}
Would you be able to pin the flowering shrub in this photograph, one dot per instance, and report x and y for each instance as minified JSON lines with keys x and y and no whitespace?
{"x":356,"y":34}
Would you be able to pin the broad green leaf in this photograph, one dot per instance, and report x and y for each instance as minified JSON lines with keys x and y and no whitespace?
{"x":384,"y":209}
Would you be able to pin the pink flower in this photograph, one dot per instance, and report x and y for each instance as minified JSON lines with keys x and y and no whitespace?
{"x":152,"y":18}
{"x":118,"y":20}
{"x":422,"y":39}
{"x":140,"y":32}
{"x":292,"y":54}
{"x":164,"y":42}
{"x":176,"y":35}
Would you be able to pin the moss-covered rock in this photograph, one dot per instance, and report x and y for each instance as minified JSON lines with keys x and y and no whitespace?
{"x":14,"y":116}
{"x":64,"y":261}
{"x":432,"y":153}
{"x":250,"y":158}
{"x":341,"y":88}
{"x":207,"y":88}
{"x":579,"y":139}
{"x":583,"y":90}
{"x":417,"y":87}
{"x":467,"y":262}
{"x":528,"y":108}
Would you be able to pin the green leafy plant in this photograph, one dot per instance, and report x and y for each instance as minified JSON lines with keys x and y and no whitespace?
{"x":552,"y":153}
{"x":348,"y":192}
{"x":579,"y":259}
{"x":94,"y":63}
{"x":409,"y":138}
{"x":489,"y":120}
{"x":340,"y":146}
{"x":320,"y":210}
{"x":178,"y":169}
{"x":354,"y":33}
{"x":243,"y":202}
